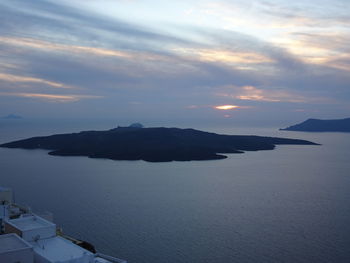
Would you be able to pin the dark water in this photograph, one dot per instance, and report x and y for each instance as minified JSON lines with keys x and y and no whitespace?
{"x":286,"y":205}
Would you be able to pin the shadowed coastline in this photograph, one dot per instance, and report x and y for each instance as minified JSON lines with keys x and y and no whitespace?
{"x":151,"y":144}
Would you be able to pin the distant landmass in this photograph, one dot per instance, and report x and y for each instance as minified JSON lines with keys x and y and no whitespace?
{"x":12,"y":117}
{"x":151,"y":144}
{"x":316,"y":125}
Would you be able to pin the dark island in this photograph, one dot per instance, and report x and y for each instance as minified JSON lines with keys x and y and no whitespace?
{"x":316,"y":125}
{"x":151,"y":144}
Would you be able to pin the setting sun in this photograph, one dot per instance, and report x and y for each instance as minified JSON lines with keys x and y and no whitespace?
{"x":226,"y":107}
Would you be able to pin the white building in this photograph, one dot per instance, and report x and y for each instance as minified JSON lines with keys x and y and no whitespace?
{"x":60,"y":250}
{"x":30,"y":227}
{"x":14,"y":249}
{"x":29,"y":238}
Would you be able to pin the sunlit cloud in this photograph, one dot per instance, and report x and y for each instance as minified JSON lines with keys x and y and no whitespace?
{"x":51,"y":97}
{"x":287,"y":25}
{"x":275,"y":14}
{"x":254,"y":24}
{"x":327,"y":49}
{"x":341,"y":62}
{"x":226,"y":107}
{"x":252,"y":93}
{"x":16,"y":78}
{"x":240,"y":59}
{"x":224,"y":56}
{"x":49,"y":46}
{"x":46,"y":46}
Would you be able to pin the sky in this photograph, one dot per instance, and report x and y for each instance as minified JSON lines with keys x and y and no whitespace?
{"x":225,"y":60}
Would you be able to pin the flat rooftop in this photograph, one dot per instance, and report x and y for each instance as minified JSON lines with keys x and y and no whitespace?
{"x":30,"y":223}
{"x":12,"y":242}
{"x":59,"y":249}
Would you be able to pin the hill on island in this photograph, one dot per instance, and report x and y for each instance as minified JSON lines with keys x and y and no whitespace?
{"x":316,"y":125}
{"x":151,"y":144}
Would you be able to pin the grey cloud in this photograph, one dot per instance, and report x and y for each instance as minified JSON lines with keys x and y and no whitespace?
{"x":241,"y":42}
{"x":56,"y":22}
{"x":321,"y":13}
{"x":152,"y":83}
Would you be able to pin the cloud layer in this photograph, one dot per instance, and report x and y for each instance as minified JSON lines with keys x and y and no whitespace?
{"x":263,"y":57}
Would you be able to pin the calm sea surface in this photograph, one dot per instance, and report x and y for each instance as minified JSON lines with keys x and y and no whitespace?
{"x":291,"y":204}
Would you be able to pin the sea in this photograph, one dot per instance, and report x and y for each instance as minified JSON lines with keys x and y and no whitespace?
{"x":290,"y":204}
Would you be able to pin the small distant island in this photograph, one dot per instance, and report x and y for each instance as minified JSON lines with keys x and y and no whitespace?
{"x":151,"y":144}
{"x":316,"y":125}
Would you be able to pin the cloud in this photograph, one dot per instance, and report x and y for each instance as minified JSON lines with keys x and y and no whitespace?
{"x":46,"y":45}
{"x":70,"y":25}
{"x":282,"y":14}
{"x":251,"y":93}
{"x":284,"y":24}
{"x":329,"y":49}
{"x":51,"y":97}
{"x":16,"y":79}
{"x":224,"y":56}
